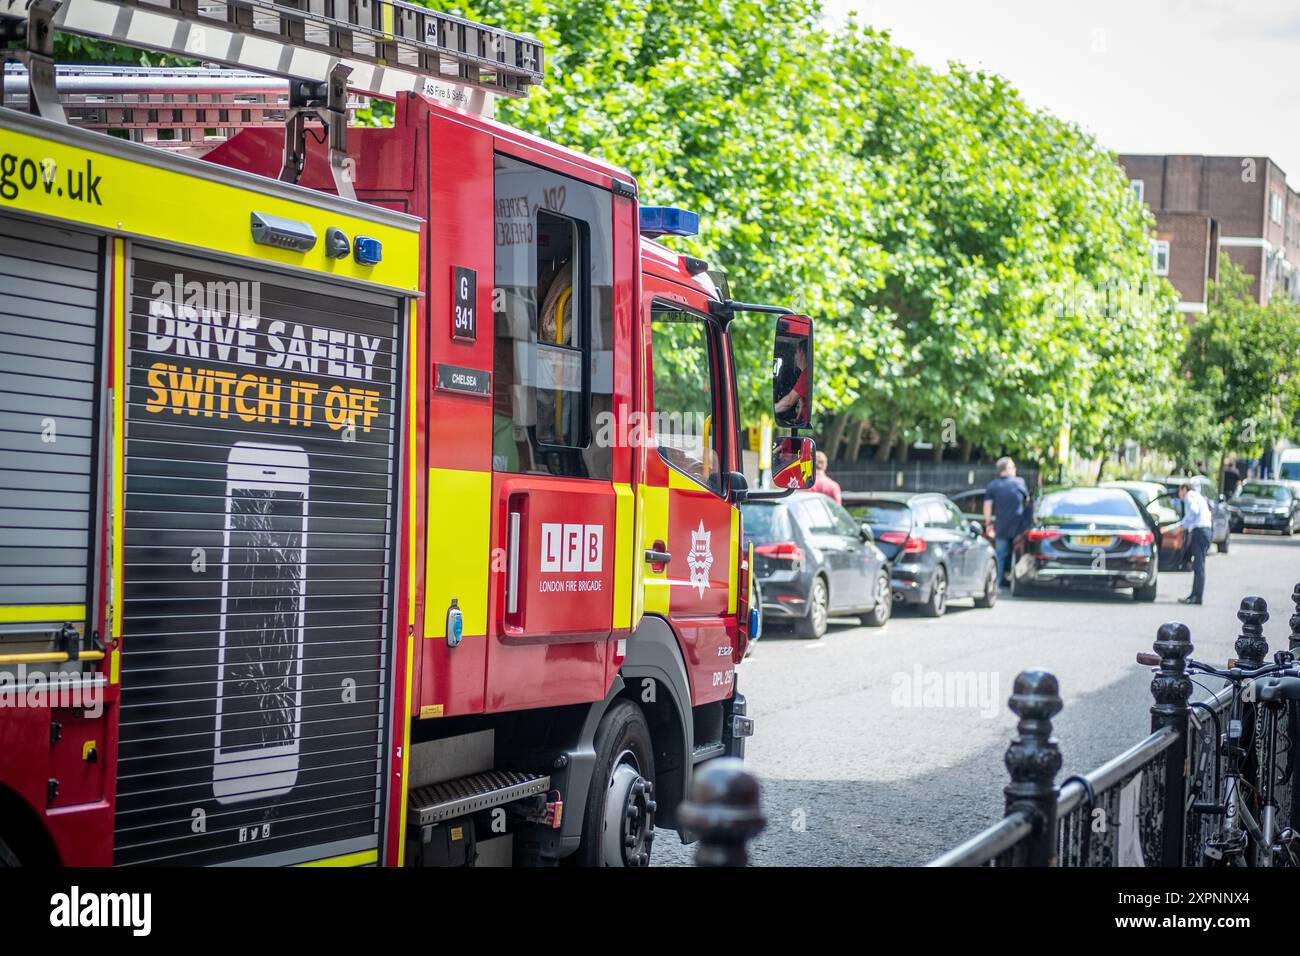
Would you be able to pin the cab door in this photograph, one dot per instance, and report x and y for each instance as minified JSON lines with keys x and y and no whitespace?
{"x":689,"y":529}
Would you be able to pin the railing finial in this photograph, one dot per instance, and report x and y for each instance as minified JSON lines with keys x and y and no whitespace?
{"x":1251,"y":647}
{"x":1033,"y":760}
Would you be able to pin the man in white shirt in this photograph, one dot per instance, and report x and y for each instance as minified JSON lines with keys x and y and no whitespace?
{"x":1199,"y":523}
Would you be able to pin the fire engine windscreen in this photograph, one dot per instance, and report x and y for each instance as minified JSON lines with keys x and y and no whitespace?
{"x":552,"y":365}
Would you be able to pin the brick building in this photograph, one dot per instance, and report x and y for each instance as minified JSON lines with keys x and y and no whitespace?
{"x":1207,"y":204}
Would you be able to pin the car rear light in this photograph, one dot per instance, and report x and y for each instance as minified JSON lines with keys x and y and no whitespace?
{"x":1139,"y":537}
{"x":784,"y":551}
{"x":910,"y":544}
{"x":1041,"y":534}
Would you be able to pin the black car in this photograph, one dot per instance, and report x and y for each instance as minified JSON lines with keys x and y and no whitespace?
{"x":1262,"y":505}
{"x":936,"y":553}
{"x":813,"y":561}
{"x":1087,"y":537}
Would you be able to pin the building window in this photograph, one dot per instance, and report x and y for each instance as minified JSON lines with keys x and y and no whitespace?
{"x":1160,"y":256}
{"x":1139,"y":189}
{"x":552,"y":380}
{"x":1275,"y":208}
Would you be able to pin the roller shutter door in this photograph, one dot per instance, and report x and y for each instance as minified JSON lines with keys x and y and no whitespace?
{"x":49,"y":367}
{"x":260,"y":501}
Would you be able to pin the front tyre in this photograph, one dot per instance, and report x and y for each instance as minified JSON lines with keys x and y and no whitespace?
{"x":618,"y":828}
{"x":8,"y":857}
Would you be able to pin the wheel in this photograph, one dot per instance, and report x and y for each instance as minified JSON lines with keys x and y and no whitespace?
{"x":1223,"y":545}
{"x":990,"y":595}
{"x":7,"y":856}
{"x":938,"y":602}
{"x":1148,"y":593}
{"x":813,"y":625}
{"x":880,"y":614}
{"x":619,"y":825}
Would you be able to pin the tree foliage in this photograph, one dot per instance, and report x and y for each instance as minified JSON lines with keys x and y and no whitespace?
{"x":968,"y":259}
{"x":970,"y":262}
{"x":1239,"y":389}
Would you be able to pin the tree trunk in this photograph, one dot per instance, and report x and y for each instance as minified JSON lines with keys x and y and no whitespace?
{"x":835,"y":436}
{"x":966,"y":449}
{"x":855,"y":439}
{"x":887,"y":442}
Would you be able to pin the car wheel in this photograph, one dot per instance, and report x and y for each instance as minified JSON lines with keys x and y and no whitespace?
{"x":813,"y":625}
{"x":7,"y":856}
{"x":618,"y":828}
{"x":1148,"y":593}
{"x":1223,"y":545}
{"x":880,"y":614}
{"x":938,"y":602}
{"x":990,"y":595}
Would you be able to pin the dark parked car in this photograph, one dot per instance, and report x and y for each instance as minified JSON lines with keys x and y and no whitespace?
{"x":936,"y":553}
{"x":1262,"y":505}
{"x":1088,"y":537}
{"x":813,"y":562}
{"x":1219,"y":506}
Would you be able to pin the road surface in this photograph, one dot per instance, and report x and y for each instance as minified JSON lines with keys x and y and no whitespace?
{"x":884,"y":746}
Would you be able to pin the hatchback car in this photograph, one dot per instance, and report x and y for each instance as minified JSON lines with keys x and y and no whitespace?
{"x":813,"y":562}
{"x":935,"y":552}
{"x":1087,"y":537}
{"x":1261,"y":505}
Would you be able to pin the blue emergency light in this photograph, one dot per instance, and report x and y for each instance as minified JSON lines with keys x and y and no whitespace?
{"x":668,"y":221}
{"x":367,"y":251}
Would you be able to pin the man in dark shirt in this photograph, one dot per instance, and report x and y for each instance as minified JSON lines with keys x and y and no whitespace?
{"x":1231,"y":478}
{"x":1006,"y":503}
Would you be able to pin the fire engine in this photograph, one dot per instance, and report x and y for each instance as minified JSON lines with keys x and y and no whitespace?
{"x":368,"y":495}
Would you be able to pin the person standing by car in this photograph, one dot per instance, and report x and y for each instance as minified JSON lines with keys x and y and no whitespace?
{"x":1231,"y":477}
{"x":825,"y":484}
{"x":1199,"y":524}
{"x":1006,"y":502}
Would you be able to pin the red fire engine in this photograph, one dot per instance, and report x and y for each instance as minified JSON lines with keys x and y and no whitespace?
{"x":367,"y":495}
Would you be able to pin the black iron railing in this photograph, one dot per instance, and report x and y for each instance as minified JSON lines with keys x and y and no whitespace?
{"x":1154,"y":804}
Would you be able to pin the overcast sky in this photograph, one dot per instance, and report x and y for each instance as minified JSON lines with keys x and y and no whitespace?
{"x":1220,"y":77}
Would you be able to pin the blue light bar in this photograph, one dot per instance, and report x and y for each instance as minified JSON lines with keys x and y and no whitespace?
{"x":668,"y":221}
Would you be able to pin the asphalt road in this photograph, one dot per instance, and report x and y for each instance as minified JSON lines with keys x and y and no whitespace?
{"x":860,"y":766}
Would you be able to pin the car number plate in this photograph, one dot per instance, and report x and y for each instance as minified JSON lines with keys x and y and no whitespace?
{"x":1255,"y":519}
{"x":1093,"y":539}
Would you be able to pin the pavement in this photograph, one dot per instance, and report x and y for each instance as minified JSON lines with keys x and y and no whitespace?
{"x":883,"y":746}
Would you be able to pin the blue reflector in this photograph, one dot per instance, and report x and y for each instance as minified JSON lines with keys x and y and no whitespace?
{"x":669,"y":221}
{"x":368,"y":251}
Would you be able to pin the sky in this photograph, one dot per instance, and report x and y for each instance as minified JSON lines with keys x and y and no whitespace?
{"x":1219,"y":77}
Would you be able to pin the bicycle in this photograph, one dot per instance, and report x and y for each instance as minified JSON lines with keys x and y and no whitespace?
{"x":1250,"y":834}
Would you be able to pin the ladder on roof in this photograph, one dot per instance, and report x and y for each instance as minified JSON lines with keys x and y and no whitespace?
{"x":324,"y":48}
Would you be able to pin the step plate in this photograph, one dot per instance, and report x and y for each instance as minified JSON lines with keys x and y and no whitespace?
{"x":478,"y":791}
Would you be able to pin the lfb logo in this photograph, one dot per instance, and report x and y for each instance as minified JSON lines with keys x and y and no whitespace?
{"x":572,"y":547}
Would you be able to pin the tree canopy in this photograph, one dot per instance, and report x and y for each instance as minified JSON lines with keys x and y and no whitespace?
{"x":976,"y":267}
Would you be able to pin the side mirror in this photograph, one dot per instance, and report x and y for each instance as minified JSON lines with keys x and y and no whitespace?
{"x":867,"y":534}
{"x":976,"y":527}
{"x":792,"y":371}
{"x":792,"y":463}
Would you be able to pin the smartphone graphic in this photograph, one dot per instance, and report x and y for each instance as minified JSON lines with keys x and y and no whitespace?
{"x":263,"y":614}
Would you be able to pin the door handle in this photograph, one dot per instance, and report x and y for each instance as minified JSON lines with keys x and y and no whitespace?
{"x":512,"y":564}
{"x":657,"y":556}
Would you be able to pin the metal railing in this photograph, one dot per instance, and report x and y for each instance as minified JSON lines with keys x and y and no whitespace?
{"x":948,"y":478}
{"x":1147,"y":805}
